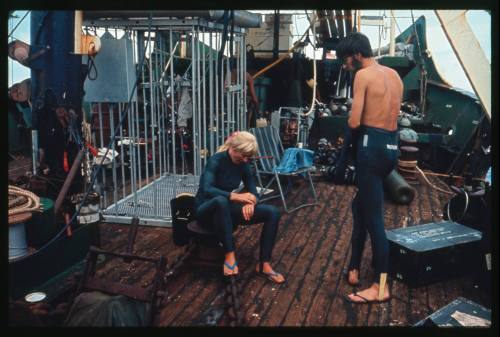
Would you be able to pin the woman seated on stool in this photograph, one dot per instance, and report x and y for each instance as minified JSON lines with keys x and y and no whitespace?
{"x":220,"y":209}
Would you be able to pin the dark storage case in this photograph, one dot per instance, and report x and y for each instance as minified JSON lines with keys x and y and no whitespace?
{"x":473,"y":315}
{"x":432,"y":252}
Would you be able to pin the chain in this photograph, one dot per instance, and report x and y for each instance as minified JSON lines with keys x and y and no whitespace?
{"x":178,"y":262}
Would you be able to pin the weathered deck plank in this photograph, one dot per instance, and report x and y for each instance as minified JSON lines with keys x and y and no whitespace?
{"x":312,"y":250}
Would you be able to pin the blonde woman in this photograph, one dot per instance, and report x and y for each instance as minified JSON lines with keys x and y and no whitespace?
{"x":220,"y":209}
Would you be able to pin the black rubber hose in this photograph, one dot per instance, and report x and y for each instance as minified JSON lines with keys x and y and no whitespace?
{"x":398,"y":190}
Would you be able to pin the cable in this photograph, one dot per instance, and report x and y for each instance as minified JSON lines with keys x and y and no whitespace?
{"x":99,"y":166}
{"x":90,"y":66}
{"x":313,"y":101}
{"x":396,"y":21}
{"x":465,"y":207}
{"x":423,"y":71}
{"x":14,"y":29}
{"x":410,"y":166}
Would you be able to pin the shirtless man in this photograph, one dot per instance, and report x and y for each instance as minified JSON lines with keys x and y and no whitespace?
{"x":377,"y":95}
{"x":251,"y":99}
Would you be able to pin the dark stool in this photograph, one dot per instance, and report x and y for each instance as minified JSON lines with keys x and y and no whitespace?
{"x":208,"y":250}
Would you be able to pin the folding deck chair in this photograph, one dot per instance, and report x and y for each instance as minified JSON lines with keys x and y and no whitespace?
{"x":270,"y":154}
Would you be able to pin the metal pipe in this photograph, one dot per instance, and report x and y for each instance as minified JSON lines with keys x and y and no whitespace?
{"x":136,"y":117}
{"x":193,"y":101}
{"x":103,"y":171}
{"x":34,"y":148}
{"x":172,"y":92}
{"x":152,"y":106}
{"x":172,"y":86}
{"x":152,"y":112}
{"x":144,"y":110}
{"x":68,"y":181}
{"x":243,"y":93}
{"x":112,"y":125}
{"x":163,"y":111}
{"x":392,"y":35}
{"x":77,"y":32}
{"x":122,"y":159}
{"x":211,"y":97}
{"x":167,"y":145}
{"x":131,"y":150}
{"x":158,"y":64}
{"x":242,"y":18}
{"x":204,"y":108}
{"x":201,"y":131}
{"x":218,"y":113}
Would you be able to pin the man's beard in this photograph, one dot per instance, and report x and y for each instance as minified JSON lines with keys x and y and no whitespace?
{"x":356,"y":64}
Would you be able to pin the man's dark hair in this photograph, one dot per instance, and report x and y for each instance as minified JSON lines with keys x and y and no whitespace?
{"x":352,"y":44}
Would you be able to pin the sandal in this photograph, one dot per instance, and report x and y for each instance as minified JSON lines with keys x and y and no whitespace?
{"x":364,"y":299}
{"x":231,"y":267}
{"x":270,"y":276}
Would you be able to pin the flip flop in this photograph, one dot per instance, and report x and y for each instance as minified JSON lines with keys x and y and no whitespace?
{"x":270,"y":276}
{"x":231,"y":267}
{"x":364,"y":299}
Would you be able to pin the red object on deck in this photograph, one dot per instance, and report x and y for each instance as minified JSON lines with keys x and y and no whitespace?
{"x":65,"y":162}
{"x":91,"y":149}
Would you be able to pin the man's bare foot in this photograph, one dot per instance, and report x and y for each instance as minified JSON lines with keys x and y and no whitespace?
{"x":353,"y":277}
{"x":230,"y":266}
{"x":268,"y":272}
{"x":369,"y":295}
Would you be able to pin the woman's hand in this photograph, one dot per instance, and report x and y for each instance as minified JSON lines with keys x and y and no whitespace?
{"x":247,"y":211}
{"x":244,"y":198}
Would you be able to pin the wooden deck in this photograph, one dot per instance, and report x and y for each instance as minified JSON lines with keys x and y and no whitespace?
{"x":312,"y":250}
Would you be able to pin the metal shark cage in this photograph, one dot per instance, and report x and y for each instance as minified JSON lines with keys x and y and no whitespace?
{"x":185,"y":105}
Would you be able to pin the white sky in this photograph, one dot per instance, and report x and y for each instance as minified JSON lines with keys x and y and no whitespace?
{"x":441,"y":51}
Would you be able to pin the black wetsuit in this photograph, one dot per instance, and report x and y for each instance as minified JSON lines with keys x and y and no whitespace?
{"x":376,"y":157}
{"x":214,"y":210}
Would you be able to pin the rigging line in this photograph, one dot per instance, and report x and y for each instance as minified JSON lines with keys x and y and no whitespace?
{"x":423,"y":71}
{"x":384,"y":28}
{"x":313,"y":24}
{"x":415,"y":30}
{"x":22,"y":19}
{"x":11,"y":62}
{"x":396,"y":21}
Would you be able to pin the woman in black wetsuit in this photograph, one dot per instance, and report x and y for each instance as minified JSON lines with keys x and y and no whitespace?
{"x":220,"y":209}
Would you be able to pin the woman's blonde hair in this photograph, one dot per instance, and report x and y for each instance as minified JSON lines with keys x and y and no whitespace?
{"x":241,"y":141}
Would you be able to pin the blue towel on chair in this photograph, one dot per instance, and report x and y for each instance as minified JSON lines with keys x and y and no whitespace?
{"x":294,"y":159}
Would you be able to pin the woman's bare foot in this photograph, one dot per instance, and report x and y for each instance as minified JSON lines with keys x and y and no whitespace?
{"x":369,"y":295}
{"x":268,"y":272}
{"x":230,"y":266}
{"x":353,"y":277}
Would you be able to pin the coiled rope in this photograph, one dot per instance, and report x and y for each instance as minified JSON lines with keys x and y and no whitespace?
{"x":410,"y":166}
{"x":22,"y":201}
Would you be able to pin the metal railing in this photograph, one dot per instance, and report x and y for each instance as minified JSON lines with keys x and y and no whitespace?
{"x":159,"y":150}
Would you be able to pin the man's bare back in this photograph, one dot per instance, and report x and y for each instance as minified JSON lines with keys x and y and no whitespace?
{"x":377,"y":97}
{"x":384,"y":90}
